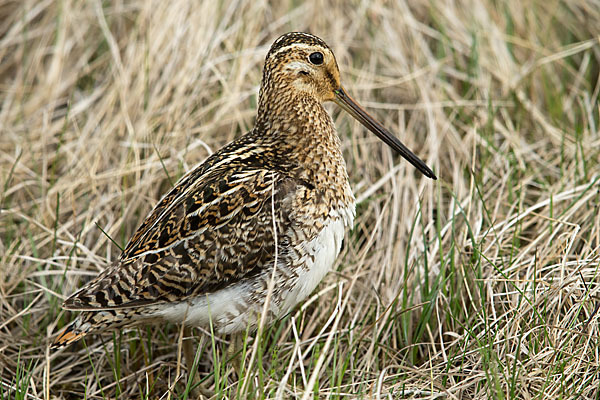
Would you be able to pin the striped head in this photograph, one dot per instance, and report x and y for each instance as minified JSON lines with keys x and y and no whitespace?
{"x":303,"y":63}
{"x":300,"y":66}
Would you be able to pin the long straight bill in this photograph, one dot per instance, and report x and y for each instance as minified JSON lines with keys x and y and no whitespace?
{"x":348,"y":104}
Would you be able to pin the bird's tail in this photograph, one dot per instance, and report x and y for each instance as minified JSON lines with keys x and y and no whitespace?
{"x":69,"y":335}
{"x":89,"y":322}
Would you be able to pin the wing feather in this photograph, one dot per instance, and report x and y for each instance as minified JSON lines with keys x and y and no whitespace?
{"x":214,"y":228}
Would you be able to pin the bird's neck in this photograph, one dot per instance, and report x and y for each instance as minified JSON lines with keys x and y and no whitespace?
{"x":300,"y":124}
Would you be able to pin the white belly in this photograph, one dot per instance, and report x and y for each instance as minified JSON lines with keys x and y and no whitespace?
{"x":237,"y":307}
{"x":325,"y":249}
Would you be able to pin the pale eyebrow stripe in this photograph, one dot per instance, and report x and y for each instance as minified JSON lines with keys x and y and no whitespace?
{"x":303,"y":46}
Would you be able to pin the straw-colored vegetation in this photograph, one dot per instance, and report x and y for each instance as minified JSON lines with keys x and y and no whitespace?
{"x":483,"y":284}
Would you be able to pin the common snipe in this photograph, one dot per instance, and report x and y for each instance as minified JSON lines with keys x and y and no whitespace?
{"x":273,"y":203}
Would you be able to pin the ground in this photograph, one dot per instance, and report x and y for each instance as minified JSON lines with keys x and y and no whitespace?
{"x":481,"y":285}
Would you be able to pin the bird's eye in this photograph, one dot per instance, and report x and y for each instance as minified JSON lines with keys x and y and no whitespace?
{"x":316,"y":58}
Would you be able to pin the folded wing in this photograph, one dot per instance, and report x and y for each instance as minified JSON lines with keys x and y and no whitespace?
{"x":214,"y":228}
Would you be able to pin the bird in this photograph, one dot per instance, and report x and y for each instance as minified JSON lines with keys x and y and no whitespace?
{"x":272,"y":205}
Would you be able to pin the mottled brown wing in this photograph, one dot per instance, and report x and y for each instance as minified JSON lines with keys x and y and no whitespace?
{"x":205,"y":234}
{"x":233,"y":155}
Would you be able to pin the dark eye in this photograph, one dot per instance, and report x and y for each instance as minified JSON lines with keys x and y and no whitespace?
{"x":316,"y":58}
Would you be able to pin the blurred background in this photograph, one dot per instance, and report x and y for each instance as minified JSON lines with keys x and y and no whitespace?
{"x":483,"y":284}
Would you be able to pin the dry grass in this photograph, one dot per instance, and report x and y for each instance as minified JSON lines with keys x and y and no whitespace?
{"x":484,"y":284}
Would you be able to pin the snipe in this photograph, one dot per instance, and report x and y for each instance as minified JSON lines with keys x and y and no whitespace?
{"x":276,"y":198}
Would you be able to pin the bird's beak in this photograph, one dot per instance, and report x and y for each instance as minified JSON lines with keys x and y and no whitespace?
{"x":347,"y":103}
